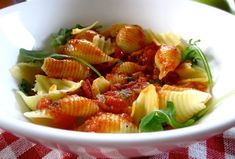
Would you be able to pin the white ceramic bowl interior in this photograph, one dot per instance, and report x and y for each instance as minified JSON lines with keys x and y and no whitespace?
{"x":28,"y":25}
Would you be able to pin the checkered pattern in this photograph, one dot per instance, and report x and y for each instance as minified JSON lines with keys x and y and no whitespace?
{"x":218,"y":147}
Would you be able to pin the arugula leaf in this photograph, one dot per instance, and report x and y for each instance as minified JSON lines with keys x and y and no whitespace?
{"x":40,"y":55}
{"x":171,"y":117}
{"x":150,"y":123}
{"x":63,"y":35}
{"x":155,"y":120}
{"x":195,"y":54}
{"x":32,"y":56}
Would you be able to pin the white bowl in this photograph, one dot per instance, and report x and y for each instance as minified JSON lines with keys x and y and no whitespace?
{"x":28,"y":25}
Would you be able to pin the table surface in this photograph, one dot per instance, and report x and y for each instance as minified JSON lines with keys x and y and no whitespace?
{"x":221,"y":146}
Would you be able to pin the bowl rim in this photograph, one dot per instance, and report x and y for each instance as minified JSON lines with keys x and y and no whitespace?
{"x":33,"y":131}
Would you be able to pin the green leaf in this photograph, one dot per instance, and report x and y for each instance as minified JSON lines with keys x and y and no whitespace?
{"x":171,"y":115}
{"x":150,"y":123}
{"x":62,"y":36}
{"x":87,"y":64}
{"x":195,"y":54}
{"x":221,"y":4}
{"x":32,"y":56}
{"x":39,"y":56}
{"x":156,"y":120}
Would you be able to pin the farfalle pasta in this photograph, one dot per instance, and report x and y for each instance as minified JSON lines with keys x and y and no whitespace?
{"x":123,"y":79}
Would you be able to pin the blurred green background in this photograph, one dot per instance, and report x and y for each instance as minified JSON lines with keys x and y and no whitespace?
{"x":225,"y":5}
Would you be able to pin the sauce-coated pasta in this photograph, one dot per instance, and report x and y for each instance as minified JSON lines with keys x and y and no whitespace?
{"x":110,"y":80}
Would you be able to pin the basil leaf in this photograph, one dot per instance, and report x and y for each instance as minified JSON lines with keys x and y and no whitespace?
{"x":195,"y":54}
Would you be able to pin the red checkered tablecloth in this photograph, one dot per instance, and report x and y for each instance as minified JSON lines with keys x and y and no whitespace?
{"x":221,"y":146}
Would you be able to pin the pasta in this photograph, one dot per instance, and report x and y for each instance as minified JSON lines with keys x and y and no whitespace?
{"x":122,"y":79}
{"x":128,"y":68}
{"x":86,"y":50}
{"x":26,"y":71}
{"x":192,"y":76}
{"x":75,"y":105}
{"x":104,"y":45}
{"x":67,"y":69}
{"x":187,"y":102}
{"x":44,"y":85}
{"x":167,"y":59}
{"x":146,"y":102}
{"x":109,"y":123}
{"x":100,"y":85}
{"x":130,"y":38}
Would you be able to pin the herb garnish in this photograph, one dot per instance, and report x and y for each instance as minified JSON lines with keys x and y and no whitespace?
{"x":195,"y":54}
{"x":40,"y":55}
{"x":156,"y":120}
{"x":63,"y":35}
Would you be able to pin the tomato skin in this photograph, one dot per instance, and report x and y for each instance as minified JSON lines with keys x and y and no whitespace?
{"x":117,"y":105}
{"x":118,"y":53}
{"x":171,"y":78}
{"x":86,"y":87}
{"x":147,"y":58}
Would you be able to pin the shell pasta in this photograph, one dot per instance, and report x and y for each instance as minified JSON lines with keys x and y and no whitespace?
{"x":122,"y":79}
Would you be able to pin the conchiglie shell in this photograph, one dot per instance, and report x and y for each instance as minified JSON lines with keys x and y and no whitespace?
{"x":45,"y":85}
{"x":43,"y":88}
{"x":131,"y":38}
{"x":167,"y":59}
{"x":169,"y":38}
{"x":167,"y":87}
{"x":75,"y":105}
{"x":187,"y":71}
{"x":67,"y":69}
{"x":192,"y":76}
{"x":26,"y":71}
{"x":146,"y":102}
{"x":148,"y":37}
{"x":128,"y":68}
{"x":113,"y":30}
{"x":86,"y":50}
{"x":100,"y":85}
{"x":109,"y":123}
{"x":87,"y":35}
{"x":41,"y":117}
{"x":187,"y":102}
{"x":105,"y":45}
{"x":117,"y":78}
